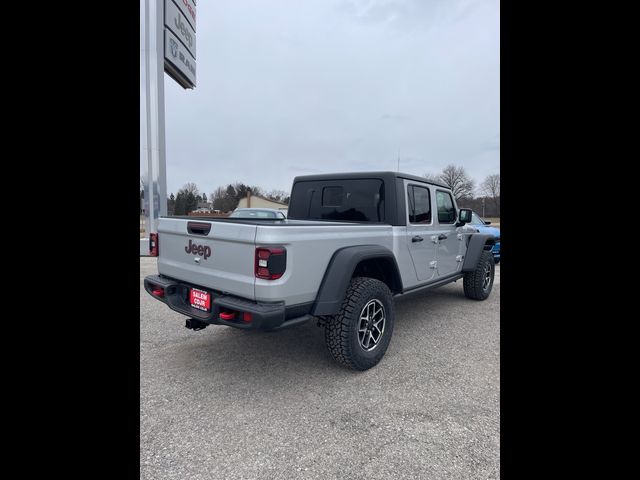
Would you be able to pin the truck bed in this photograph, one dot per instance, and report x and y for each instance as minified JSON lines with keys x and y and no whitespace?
{"x":226,"y":258}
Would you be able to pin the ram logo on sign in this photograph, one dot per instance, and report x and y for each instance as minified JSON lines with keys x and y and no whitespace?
{"x":180,"y":41}
{"x":174,"y":47}
{"x":178,"y":62}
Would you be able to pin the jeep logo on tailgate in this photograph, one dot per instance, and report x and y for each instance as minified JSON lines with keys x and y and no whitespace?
{"x":198,"y":249}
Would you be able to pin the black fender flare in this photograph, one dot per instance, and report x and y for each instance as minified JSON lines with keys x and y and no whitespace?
{"x":477,"y":243}
{"x":340,"y":270}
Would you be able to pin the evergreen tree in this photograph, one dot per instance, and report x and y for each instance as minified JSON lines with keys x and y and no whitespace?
{"x":180,"y":205}
{"x":191,"y":202}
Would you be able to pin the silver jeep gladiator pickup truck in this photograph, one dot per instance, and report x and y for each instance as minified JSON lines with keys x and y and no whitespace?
{"x":351,"y":243}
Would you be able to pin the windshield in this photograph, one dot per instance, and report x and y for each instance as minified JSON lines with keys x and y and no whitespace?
{"x":475,"y":219}
{"x":255,"y":214}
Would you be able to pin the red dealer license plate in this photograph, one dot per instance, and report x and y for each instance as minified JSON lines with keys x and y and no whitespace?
{"x":200,"y":299}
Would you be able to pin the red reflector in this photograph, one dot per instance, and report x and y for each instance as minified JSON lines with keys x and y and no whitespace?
{"x":153,"y":245}
{"x":158,"y":292}
{"x":227,"y":315}
{"x":247,"y":317}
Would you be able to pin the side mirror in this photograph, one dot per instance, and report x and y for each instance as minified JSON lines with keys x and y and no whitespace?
{"x":464,"y":217}
{"x":485,"y":222}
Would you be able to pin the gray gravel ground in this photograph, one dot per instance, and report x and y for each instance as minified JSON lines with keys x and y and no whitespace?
{"x":229,"y":404}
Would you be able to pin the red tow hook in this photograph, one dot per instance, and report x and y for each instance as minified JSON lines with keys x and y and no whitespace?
{"x":158,"y":292}
{"x":227,"y":315}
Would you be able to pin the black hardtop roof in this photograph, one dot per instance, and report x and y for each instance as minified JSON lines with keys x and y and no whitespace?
{"x":387,"y":176}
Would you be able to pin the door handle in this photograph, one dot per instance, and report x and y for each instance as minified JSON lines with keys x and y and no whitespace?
{"x":442,"y":236}
{"x":417,"y":238}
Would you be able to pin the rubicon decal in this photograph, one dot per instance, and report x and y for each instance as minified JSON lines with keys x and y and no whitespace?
{"x":195,"y":249}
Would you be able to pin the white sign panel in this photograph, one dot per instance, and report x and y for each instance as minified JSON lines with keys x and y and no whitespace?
{"x":178,"y":57}
{"x":188,"y":9}
{"x":175,"y":21}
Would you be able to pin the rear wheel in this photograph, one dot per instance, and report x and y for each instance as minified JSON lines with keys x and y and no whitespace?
{"x":358,"y":336}
{"x":478,"y":284}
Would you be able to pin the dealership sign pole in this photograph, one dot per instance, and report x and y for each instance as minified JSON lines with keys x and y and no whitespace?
{"x":169,"y":44}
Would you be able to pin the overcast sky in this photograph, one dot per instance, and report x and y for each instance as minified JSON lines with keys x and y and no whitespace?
{"x":291,"y":87}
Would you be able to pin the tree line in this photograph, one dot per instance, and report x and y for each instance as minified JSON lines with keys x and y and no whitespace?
{"x":223,"y":199}
{"x":485,"y":199}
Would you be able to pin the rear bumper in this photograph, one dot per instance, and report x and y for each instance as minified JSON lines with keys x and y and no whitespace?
{"x":264,"y":316}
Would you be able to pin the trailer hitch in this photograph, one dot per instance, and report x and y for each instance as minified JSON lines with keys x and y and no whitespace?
{"x":195,"y":324}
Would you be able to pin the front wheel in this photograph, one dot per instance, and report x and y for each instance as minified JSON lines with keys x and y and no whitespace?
{"x":478,"y":284}
{"x":358,"y":336}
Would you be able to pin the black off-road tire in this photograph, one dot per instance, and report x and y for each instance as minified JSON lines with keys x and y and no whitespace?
{"x":478,"y":284}
{"x":341,"y":330}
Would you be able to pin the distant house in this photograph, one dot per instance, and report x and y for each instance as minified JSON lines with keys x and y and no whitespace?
{"x":256,"y":201}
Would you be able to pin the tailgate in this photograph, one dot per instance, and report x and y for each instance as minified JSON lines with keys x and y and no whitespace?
{"x":213,"y":254}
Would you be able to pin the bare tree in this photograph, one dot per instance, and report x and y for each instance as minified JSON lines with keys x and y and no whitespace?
{"x":218,"y":198}
{"x":458,"y":181}
{"x":277,"y":195}
{"x":243,"y":190}
{"x":491,"y":188}
{"x":432,"y":177}
{"x":191,"y":188}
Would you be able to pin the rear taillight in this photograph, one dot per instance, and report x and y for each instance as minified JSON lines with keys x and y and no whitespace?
{"x":271,"y":263}
{"x":154,"y":245}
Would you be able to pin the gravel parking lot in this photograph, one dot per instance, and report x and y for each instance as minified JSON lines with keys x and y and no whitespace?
{"x":230,"y":404}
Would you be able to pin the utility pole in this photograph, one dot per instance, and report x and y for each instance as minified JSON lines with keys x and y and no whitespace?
{"x":483,"y":198}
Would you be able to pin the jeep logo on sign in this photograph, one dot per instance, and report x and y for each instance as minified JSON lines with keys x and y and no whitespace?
{"x":182,"y":28}
{"x":196,"y":249}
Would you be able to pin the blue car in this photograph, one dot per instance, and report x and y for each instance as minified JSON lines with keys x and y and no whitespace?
{"x":483,"y":227}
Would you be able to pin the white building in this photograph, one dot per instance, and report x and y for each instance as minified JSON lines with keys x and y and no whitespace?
{"x":255,"y":201}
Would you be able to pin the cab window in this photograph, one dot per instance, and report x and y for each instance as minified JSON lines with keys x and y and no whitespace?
{"x":446,"y":209}
{"x":419,"y":204}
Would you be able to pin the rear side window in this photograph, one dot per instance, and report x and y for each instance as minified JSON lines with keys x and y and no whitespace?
{"x":359,"y":200}
{"x":419,"y":203}
{"x":446,"y":210}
